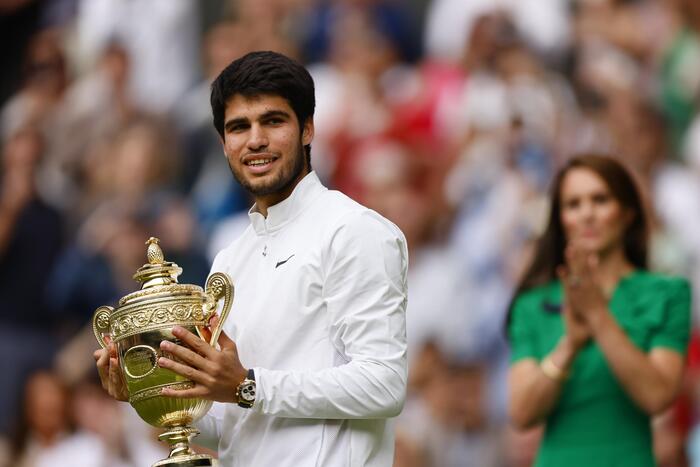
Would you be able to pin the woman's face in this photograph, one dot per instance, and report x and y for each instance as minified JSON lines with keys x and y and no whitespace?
{"x":591,"y":216}
{"x":46,"y":405}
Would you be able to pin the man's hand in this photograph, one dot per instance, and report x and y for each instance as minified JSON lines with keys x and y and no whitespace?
{"x":216,"y":373}
{"x":110,"y":375}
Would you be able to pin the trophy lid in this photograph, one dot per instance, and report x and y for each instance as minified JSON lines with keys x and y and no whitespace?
{"x":157,"y":271}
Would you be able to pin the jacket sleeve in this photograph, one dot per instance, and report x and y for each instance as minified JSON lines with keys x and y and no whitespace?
{"x":365,"y":293}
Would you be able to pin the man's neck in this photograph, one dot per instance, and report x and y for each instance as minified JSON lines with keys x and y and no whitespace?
{"x":263,"y":203}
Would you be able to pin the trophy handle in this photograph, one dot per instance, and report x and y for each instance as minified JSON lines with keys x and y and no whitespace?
{"x":100,"y":324}
{"x":219,"y":285}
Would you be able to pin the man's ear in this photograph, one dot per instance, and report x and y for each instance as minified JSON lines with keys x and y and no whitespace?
{"x":307,"y":131}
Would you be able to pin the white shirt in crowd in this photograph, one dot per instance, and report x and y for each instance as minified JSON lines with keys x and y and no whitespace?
{"x":319,"y":314}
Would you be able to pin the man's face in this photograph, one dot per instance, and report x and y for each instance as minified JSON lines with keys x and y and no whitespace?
{"x":264,"y":145}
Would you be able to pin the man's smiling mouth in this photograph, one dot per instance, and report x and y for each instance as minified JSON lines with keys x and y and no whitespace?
{"x":258,"y":162}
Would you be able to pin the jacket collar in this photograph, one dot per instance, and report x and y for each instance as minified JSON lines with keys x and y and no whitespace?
{"x":279,"y":214}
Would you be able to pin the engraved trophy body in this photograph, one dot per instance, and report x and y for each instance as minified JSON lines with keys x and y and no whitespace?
{"x":137,"y":326}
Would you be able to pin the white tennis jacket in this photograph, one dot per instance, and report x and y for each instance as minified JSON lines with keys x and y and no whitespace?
{"x":319,"y":314}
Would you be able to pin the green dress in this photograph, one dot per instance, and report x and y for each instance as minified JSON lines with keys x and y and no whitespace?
{"x":595,"y":423}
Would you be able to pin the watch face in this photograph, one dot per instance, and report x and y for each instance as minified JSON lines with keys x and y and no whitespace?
{"x":248,"y":392}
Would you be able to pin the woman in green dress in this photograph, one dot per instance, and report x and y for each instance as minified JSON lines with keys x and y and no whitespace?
{"x":598,"y":342}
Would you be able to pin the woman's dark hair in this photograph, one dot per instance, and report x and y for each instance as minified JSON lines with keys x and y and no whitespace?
{"x":549,"y":251}
{"x":259,"y":73}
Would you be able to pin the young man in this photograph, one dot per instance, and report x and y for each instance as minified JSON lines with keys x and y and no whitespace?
{"x":313,"y":358}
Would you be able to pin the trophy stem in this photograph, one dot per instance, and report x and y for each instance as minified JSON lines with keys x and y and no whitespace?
{"x":181,"y":455}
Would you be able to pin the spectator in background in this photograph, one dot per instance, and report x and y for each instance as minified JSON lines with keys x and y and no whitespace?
{"x":131,"y":165}
{"x":680,"y":73}
{"x":542,"y":23}
{"x":30,"y":239}
{"x":80,"y":427}
{"x":45,"y":81}
{"x":44,"y":419}
{"x":95,"y":106}
{"x":19,"y":20}
{"x":173,"y":220}
{"x":112,"y":433}
{"x":360,"y":84}
{"x":96,"y":268}
{"x":452,"y":410}
{"x":594,"y":335}
{"x":676,"y":196}
{"x":161,"y":38}
{"x":448,"y":422}
{"x":392,"y":19}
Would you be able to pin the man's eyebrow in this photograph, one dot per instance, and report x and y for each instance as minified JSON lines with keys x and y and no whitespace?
{"x":275,"y":113}
{"x":234,"y":122}
{"x":244,"y":120}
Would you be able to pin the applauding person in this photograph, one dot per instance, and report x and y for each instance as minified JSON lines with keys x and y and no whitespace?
{"x":598,"y":341}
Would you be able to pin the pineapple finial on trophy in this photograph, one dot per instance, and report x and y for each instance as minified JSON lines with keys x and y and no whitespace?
{"x":157,"y":271}
{"x":154,"y":253}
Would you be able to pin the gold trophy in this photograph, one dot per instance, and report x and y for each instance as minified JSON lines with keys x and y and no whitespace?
{"x":138,"y":325}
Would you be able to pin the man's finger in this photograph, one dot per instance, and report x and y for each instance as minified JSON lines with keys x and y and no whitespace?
{"x":197,"y":391}
{"x":213,"y":321}
{"x":102,"y":363}
{"x":114,"y":366}
{"x":112,"y":350}
{"x":209,"y":329}
{"x":225,"y":342}
{"x":183,"y":370}
{"x":205,"y":332}
{"x":117,"y":385}
{"x":100,"y":355}
{"x":114,"y":378}
{"x":193,"y":342}
{"x":184,"y":354}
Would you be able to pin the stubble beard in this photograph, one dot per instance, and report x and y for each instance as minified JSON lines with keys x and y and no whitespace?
{"x":285,"y":177}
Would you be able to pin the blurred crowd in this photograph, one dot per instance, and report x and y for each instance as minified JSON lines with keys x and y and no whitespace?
{"x":448,"y":117}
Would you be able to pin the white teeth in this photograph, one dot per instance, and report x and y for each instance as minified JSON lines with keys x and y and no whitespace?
{"x":259,"y":162}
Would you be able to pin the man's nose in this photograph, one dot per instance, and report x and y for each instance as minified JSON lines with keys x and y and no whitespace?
{"x":258,"y":138}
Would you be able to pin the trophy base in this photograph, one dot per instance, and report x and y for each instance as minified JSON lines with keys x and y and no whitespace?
{"x":178,"y":437}
{"x":193,"y":460}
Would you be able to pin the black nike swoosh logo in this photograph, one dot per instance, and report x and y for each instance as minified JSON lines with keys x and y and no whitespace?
{"x":280,"y":263}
